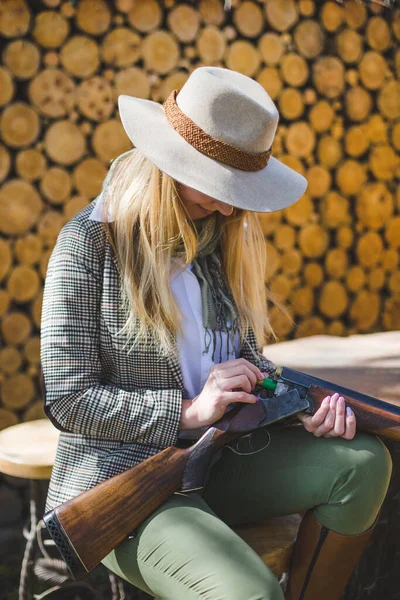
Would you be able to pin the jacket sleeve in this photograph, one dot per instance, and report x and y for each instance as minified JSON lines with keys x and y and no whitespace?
{"x":76,"y":400}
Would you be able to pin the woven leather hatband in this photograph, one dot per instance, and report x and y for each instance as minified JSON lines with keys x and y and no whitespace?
{"x":208,"y":145}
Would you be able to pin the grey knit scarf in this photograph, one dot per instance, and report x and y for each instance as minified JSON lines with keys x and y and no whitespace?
{"x":220,"y":314}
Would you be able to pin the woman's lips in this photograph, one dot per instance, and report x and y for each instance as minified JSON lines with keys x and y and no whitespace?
{"x":208,"y":212}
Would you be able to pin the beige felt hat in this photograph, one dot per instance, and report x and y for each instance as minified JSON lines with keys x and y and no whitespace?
{"x":215,"y":135}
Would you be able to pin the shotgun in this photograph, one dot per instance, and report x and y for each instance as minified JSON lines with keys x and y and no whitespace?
{"x":87,"y":527}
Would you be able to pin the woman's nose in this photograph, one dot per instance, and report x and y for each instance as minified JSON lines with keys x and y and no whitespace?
{"x":224,"y":209}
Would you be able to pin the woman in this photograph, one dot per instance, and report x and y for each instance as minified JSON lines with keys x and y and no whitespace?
{"x":153,"y":313}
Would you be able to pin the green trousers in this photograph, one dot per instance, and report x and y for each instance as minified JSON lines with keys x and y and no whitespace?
{"x":187,"y":550}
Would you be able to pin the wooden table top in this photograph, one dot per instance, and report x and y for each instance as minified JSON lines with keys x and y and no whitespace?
{"x":28,"y":449}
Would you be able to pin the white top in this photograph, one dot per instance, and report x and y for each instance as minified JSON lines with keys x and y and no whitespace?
{"x":194,"y":361}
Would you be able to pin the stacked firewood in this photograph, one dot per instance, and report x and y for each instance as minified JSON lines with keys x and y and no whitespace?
{"x":331,"y":68}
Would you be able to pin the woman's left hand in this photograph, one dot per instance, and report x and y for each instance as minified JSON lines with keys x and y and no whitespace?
{"x":332,"y":419}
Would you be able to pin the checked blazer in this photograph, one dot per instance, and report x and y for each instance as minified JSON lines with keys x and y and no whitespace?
{"x":115,"y":407}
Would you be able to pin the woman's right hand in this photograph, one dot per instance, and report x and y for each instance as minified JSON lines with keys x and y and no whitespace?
{"x":210,"y":405}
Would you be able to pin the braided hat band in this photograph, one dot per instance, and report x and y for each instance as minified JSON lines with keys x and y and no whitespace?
{"x":208,"y":145}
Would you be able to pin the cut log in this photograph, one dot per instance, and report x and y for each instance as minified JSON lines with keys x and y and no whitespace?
{"x":49,"y":226}
{"x":329,"y":151}
{"x":355,"y":14}
{"x":384,"y":163}
{"x":310,"y":326}
{"x":183,"y":20}
{"x":32,"y":350}
{"x":349,"y":45}
{"x":20,"y":206}
{"x":65,"y":143}
{"x":373,"y":68}
{"x":331,"y":16}
{"x":19,"y":125}
{"x":16,"y":328}
{"x":392,"y":232}
{"x":302,"y":301}
{"x":336,"y":263}
{"x":30,"y":164}
{"x":243,"y":57}
{"x":358,"y":103}
{"x":212,"y":12}
{"x":300,"y":212}
{"x":95,"y":99}
{"x":17,"y":391}
{"x":356,"y":142}
{"x":291,"y":105}
{"x":376,"y":130}
{"x":281,"y":324}
{"x":88,"y":177}
{"x":378,"y":34}
{"x":22,"y":58}
{"x":160,"y":52}
{"x":321,"y":116}
{"x":271,"y":48}
{"x":56,"y":185}
{"x":121,"y":47}
{"x":34,"y":412}
{"x":355,"y":278}
{"x":350,"y":177}
{"x":28,"y":249}
{"x":374,"y":205}
{"x":390,"y":259}
{"x":5,"y":300}
{"x":5,"y":258}
{"x":319,"y":181}
{"x":313,"y":240}
{"x":391,"y":314}
{"x":175,"y":81}
{"x":110,"y":140}
{"x":270,"y":79}
{"x":248,"y":18}
{"x":364,"y":311}
{"x":53,"y":92}
{"x":307,"y":7}
{"x":294,"y":69}
{"x":309,"y":38}
{"x":291,"y":261}
{"x":15,"y":18}
{"x":145,"y":15}
{"x":313,"y":274}
{"x":376,"y":279}
{"x":335,"y":210}
{"x":333,"y":299}
{"x":285,"y":237}
{"x":369,"y":249}
{"x":80,"y":56}
{"x":281,"y":287}
{"x":132,"y":82}
{"x":281,"y":15}
{"x":10,"y":360}
{"x":344,"y":237}
{"x":5,"y":162}
{"x":328,"y":76}
{"x":211,"y":45}
{"x":389,"y":100}
{"x":269,"y":221}
{"x":292,"y":161}
{"x":93,"y":19}
{"x":74,"y":206}
{"x":23,"y":284}
{"x":50,"y":29}
{"x":300,"y":139}
{"x":336,"y":328}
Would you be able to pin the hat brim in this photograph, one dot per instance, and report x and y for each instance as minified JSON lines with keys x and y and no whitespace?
{"x":274,"y":187}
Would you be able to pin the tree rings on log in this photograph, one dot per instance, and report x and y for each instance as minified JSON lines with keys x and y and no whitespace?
{"x":53,"y":92}
{"x":20,"y":207}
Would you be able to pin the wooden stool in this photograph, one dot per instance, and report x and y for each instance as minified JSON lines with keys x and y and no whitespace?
{"x":27,"y":451}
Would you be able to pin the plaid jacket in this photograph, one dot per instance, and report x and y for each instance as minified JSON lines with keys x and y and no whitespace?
{"x":114,"y":408}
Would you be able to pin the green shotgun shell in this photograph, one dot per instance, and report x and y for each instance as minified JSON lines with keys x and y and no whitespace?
{"x":267,"y":384}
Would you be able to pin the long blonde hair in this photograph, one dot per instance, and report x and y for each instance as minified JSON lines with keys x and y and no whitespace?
{"x":149,"y":221}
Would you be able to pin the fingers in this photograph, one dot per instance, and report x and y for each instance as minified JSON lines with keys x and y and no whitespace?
{"x":234,"y":368}
{"x":332,"y":419}
{"x":240,"y":397}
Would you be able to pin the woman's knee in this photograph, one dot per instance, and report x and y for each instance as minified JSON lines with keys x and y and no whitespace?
{"x":372,"y":462}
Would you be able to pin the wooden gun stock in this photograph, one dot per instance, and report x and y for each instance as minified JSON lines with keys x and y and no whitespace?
{"x":87,"y":527}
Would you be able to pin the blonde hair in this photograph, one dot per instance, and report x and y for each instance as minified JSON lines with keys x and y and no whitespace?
{"x":149,"y":222}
